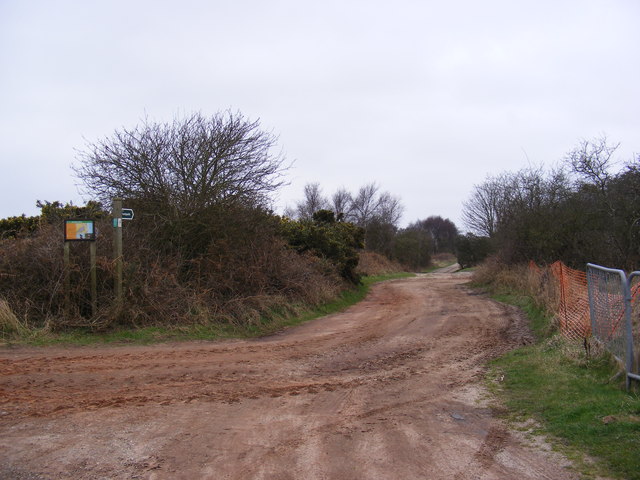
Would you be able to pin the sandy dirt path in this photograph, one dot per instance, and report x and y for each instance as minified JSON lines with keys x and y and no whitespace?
{"x":389,"y":389}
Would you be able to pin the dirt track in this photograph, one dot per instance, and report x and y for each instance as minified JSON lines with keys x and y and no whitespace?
{"x":389,"y":389}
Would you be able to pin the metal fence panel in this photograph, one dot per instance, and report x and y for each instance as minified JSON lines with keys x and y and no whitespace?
{"x":607,"y":306}
{"x":610,"y":308}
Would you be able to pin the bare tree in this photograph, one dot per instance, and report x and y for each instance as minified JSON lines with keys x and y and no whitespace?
{"x":592,"y":161}
{"x":341,"y":203}
{"x":365,"y":205}
{"x":389,"y":209}
{"x":187,"y":165}
{"x":484,"y":209}
{"x":379,"y":214}
{"x":495,"y":202}
{"x":313,"y":201}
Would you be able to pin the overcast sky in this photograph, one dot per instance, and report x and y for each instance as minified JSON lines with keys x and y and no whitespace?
{"x":425,"y":98}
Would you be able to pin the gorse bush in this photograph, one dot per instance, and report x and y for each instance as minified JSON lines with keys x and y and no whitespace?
{"x":378,"y":215}
{"x":13,"y":227}
{"x":204,"y":245}
{"x":323,"y":236}
{"x":50,"y":212}
{"x":246,"y":272}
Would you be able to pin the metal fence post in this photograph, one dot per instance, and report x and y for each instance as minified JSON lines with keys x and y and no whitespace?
{"x":629,"y":328}
{"x":628,"y":331}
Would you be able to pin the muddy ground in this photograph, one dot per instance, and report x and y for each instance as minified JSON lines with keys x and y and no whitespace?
{"x":392,"y":388}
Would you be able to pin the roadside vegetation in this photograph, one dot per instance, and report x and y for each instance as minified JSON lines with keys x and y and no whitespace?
{"x":205,"y":253}
{"x":577,"y":400}
{"x":306,"y":269}
{"x":378,"y":214}
{"x":585,"y":209}
{"x":204,"y":331}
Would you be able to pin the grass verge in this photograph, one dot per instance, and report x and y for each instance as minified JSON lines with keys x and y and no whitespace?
{"x":209,"y":331}
{"x":577,"y":400}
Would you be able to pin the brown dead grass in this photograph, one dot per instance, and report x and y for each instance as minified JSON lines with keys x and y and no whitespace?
{"x":9,"y":323}
{"x":240,"y":283}
{"x":372,"y":263}
{"x":535,"y":283}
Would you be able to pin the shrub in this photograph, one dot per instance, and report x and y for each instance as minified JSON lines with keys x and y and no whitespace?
{"x":471,"y":249}
{"x":337,"y":242}
{"x":412,"y":247}
{"x":50,"y":212}
{"x":233,"y":271}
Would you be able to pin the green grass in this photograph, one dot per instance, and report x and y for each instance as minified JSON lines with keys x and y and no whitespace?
{"x":539,"y":322}
{"x":209,"y":331}
{"x":570,"y":397}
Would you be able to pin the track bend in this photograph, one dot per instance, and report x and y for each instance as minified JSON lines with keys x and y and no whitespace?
{"x":389,"y":389}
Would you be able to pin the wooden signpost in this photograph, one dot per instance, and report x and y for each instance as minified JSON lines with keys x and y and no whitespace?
{"x":119,"y":214}
{"x":116,"y":213}
{"x":80,"y":231}
{"x":84,"y":231}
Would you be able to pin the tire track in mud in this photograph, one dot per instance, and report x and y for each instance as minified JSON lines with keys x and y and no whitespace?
{"x":120,"y":377}
{"x":387,"y":389}
{"x":44,"y":394}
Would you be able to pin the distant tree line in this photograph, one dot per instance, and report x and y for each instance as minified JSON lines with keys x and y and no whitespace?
{"x":582,"y":211}
{"x":378,"y":214}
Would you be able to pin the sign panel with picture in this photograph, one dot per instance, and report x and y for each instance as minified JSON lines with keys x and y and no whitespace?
{"x":79,"y":230}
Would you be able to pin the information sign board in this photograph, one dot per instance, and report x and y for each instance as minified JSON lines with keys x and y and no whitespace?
{"x":79,"y":231}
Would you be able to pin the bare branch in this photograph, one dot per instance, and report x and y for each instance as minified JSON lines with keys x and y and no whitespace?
{"x":187,"y":165}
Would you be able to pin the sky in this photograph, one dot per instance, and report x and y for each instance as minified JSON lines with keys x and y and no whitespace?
{"x":425,"y":98}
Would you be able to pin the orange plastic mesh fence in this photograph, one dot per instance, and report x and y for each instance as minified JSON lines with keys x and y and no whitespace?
{"x":573,"y":311}
{"x":535,"y":268}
